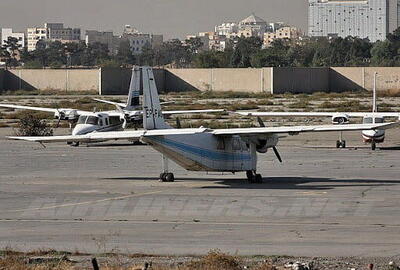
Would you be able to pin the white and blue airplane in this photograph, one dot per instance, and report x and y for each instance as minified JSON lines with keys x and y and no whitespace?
{"x":87,"y":122}
{"x":202,"y":149}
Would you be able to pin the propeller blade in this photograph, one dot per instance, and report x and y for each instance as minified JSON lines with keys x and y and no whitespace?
{"x":277,"y":154}
{"x":178,"y":123}
{"x":260,"y":121}
{"x":58,"y":122}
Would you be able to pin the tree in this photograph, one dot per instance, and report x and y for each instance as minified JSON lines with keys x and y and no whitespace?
{"x":125,"y":55}
{"x":10,"y":51}
{"x":274,"y":56}
{"x":243,"y":51}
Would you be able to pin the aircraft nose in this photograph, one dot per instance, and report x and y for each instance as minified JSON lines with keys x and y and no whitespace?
{"x":82,"y":129}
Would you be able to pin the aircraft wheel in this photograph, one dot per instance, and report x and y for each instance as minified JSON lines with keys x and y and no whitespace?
{"x":169,"y":177}
{"x":249,"y":175}
{"x":338,"y":144}
{"x":258,"y":178}
{"x":75,"y":144}
{"x":343,"y":144}
{"x":373,"y":145}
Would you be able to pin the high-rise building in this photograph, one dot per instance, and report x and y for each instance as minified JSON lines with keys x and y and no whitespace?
{"x":35,"y":34}
{"x":52,"y":32}
{"x":8,"y":32}
{"x":371,"y":19}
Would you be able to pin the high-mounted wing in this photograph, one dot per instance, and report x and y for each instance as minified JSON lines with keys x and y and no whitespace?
{"x":300,"y":129}
{"x":299,"y":114}
{"x":62,"y":113}
{"x":121,"y":105}
{"x":112,"y":135}
{"x":319,"y":114}
{"x":194,"y":111}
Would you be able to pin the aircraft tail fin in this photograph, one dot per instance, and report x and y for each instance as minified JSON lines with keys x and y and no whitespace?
{"x":152,"y":114}
{"x":133,"y":101}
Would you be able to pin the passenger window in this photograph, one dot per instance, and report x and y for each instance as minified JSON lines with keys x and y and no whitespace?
{"x":106,"y":120}
{"x":101,"y":122}
{"x":236,"y":144}
{"x":221,"y":144}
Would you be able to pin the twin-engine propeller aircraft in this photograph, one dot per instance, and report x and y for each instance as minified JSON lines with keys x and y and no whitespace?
{"x":340,"y":118}
{"x":202,"y":149}
{"x":369,"y":136}
{"x":87,"y":122}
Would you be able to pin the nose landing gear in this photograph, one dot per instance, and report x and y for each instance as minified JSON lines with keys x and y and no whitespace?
{"x":254,"y":177}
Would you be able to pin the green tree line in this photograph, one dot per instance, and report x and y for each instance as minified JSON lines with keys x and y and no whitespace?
{"x":239,"y":53}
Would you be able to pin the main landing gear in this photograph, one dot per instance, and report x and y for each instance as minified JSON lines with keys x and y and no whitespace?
{"x":373,"y":145}
{"x":254,"y":177}
{"x":166,"y":176}
{"x":341,"y":143}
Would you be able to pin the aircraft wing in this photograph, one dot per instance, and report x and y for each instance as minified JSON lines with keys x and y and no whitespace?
{"x":319,"y":114}
{"x":122,"y":105}
{"x":294,"y":130}
{"x":194,"y":111}
{"x":299,"y":114}
{"x":29,"y":108}
{"x":62,"y":113}
{"x":112,"y":135}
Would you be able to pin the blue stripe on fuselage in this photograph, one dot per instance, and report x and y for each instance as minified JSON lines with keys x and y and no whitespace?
{"x":201,"y":152}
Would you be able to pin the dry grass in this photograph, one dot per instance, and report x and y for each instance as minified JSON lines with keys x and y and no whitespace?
{"x":215,"y":260}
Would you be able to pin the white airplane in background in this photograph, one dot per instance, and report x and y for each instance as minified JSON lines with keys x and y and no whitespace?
{"x":87,"y":122}
{"x":341,"y":118}
{"x":202,"y":149}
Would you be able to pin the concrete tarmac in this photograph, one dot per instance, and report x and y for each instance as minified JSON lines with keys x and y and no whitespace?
{"x":106,"y":198}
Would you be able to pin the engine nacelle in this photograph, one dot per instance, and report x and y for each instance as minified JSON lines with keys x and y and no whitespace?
{"x":262,"y":145}
{"x":340,"y":119}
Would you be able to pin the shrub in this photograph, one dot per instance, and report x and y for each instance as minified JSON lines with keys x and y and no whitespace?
{"x":216,"y":260}
{"x":30,"y":125}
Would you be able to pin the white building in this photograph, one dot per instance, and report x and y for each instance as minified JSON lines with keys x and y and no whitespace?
{"x":34,"y":36}
{"x":226,"y":29}
{"x":253,"y":26}
{"x":52,"y":32}
{"x":8,"y":32}
{"x":138,"y":40}
{"x":371,"y":19}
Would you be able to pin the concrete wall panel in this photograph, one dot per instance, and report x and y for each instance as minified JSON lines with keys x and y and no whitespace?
{"x":177,"y":80}
{"x":346,"y":79}
{"x":116,"y":81}
{"x":300,"y":80}
{"x":52,"y":79}
{"x":388,"y":78}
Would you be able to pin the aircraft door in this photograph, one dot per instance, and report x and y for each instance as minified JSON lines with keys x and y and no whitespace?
{"x":238,"y":151}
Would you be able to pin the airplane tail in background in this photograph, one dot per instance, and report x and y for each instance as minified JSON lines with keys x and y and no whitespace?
{"x":133,"y":101}
{"x":152,"y":114}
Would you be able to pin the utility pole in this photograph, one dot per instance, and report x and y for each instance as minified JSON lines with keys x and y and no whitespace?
{"x":374,"y":109}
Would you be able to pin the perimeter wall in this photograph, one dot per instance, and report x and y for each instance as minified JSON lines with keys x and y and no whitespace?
{"x":115,"y":81}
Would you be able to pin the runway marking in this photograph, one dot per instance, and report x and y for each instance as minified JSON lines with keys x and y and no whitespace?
{"x":312,"y":192}
{"x":83,"y":203}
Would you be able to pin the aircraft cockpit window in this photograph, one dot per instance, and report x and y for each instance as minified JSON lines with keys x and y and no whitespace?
{"x":82,"y":119}
{"x":92,"y":120}
{"x":378,"y":120}
{"x":367,"y":120}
